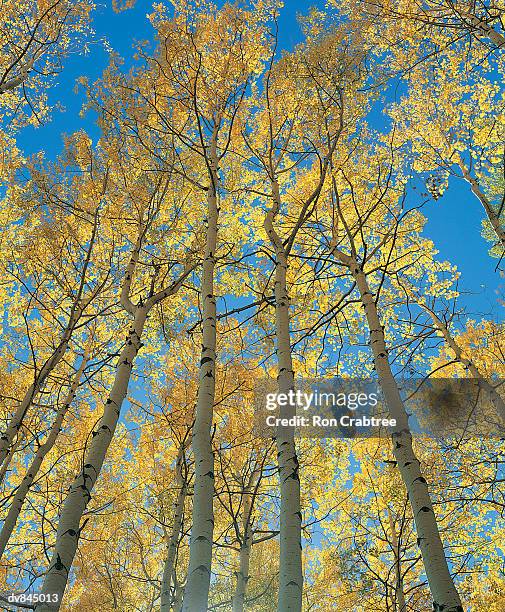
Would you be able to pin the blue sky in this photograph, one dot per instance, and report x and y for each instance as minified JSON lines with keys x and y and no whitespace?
{"x":454,"y":222}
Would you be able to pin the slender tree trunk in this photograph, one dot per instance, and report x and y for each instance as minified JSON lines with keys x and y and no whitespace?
{"x":196,"y":592}
{"x":445,"y":595}
{"x":238,"y":599}
{"x":78,"y":307}
{"x":32,"y":471}
{"x":79,"y":496}
{"x":173,"y":542}
{"x":493,"y":218}
{"x":178,"y":598}
{"x":40,"y":378}
{"x":290,"y":571}
{"x":400,"y":604}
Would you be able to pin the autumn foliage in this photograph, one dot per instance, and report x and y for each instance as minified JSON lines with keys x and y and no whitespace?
{"x":249,"y":214}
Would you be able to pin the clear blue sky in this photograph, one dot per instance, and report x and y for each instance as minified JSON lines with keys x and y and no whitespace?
{"x":454,"y":222}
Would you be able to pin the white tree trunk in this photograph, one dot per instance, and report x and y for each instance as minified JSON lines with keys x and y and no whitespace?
{"x":484,"y":29}
{"x":290,"y":570}
{"x":178,"y":598}
{"x":78,"y":308}
{"x":445,"y":595}
{"x":7,"y":461}
{"x":173,"y":542}
{"x":196,"y":592}
{"x":32,"y":471}
{"x":79,"y":496}
{"x":238,"y":600}
{"x":24,"y":71}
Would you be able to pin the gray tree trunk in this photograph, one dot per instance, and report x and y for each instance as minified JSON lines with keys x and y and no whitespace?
{"x":178,"y":598}
{"x":399,"y":601}
{"x":290,"y":571}
{"x":443,"y":590}
{"x":238,"y":599}
{"x":484,"y":29}
{"x":7,"y":461}
{"x":482,"y":381}
{"x":196,"y":592}
{"x":78,"y":307}
{"x":16,"y":421}
{"x":79,"y":495}
{"x":173,"y":542}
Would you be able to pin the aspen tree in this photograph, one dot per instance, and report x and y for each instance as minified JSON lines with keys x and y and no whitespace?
{"x":445,"y":595}
{"x":430,"y":26}
{"x":245,"y":471}
{"x":186,"y":101}
{"x":288,"y":198}
{"x":447,"y":57}
{"x":59,"y":270}
{"x":441,"y":584}
{"x":291,"y":575}
{"x":169,"y":569}
{"x":491,"y":211}
{"x":399,"y":591}
{"x":245,"y":546}
{"x":69,"y":527}
{"x":292,"y":121}
{"x":196,"y":593}
{"x":243,"y":479}
{"x":250,"y":536}
{"x":209,"y":58}
{"x":456,"y":131}
{"x":364,"y":550}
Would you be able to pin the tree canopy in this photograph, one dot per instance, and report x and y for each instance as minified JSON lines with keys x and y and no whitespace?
{"x":232,"y":214}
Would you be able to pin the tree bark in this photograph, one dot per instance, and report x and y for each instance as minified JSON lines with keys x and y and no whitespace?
{"x":484,"y":29}
{"x":79,"y":496}
{"x":32,"y":471}
{"x":290,"y":571}
{"x":400,"y":605}
{"x":196,"y":592}
{"x":24,"y":72}
{"x":7,"y":461}
{"x":78,"y":307}
{"x":173,"y":542}
{"x":238,"y":600}
{"x":443,"y":590}
{"x":178,"y":598}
